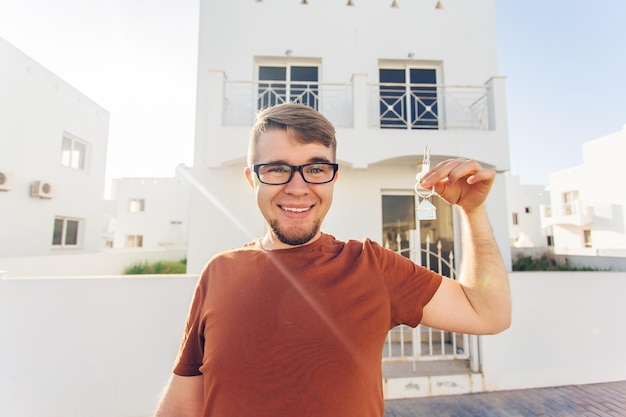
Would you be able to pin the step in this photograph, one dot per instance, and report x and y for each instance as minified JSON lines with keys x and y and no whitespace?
{"x":427,"y":379}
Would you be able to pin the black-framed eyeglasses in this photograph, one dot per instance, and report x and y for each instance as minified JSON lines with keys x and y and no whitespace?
{"x":278,"y":173}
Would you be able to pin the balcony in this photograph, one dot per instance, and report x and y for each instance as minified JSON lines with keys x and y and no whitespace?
{"x":376,"y":122}
{"x":571,"y":214}
{"x":390,"y":106}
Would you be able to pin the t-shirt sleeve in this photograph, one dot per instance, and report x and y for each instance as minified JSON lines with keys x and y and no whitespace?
{"x":191,"y":352}
{"x":410,"y":287}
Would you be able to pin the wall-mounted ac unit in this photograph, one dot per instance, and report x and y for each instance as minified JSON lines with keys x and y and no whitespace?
{"x":5,"y":181}
{"x":42,"y":189}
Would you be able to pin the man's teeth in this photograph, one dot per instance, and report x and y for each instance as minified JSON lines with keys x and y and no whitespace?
{"x":295,"y":209}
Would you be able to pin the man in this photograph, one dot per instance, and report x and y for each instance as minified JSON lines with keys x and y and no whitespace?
{"x":294,"y":323}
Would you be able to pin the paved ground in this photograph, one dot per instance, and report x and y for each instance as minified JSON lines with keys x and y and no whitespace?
{"x":595,"y":400}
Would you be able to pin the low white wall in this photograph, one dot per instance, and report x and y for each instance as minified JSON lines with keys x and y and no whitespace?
{"x":104,"y":347}
{"x":89,"y":347}
{"x":568,"y":328}
{"x":106,"y":262}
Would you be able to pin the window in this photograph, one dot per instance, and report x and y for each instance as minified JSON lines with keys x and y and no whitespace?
{"x":527,"y":209}
{"x":134,"y":241}
{"x":587,"y":238}
{"x":66,"y":232}
{"x":408,"y":98}
{"x":73,"y":152}
{"x":515,"y":222}
{"x":288,"y":83}
{"x":136,"y":205}
{"x":570,"y":200}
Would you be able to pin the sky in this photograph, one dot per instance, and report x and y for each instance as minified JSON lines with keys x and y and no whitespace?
{"x":564,"y":63}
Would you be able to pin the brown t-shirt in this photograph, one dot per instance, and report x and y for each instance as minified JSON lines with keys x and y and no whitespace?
{"x":299,"y":332}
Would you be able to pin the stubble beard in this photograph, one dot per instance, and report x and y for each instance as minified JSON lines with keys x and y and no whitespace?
{"x":296,"y":238}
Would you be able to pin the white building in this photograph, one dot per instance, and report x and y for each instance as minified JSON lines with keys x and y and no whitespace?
{"x":53,"y":143}
{"x":149,"y":213}
{"x":391,"y":79}
{"x":524,"y":204}
{"x":587,"y":208}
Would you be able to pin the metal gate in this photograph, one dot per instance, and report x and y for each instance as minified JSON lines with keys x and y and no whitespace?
{"x":424,"y":343}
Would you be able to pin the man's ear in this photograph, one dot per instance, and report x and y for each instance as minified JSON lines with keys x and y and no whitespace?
{"x":249,"y":176}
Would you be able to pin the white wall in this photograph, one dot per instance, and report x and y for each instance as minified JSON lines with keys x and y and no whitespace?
{"x":567,"y":329}
{"x":464,"y":32}
{"x":37,"y":107}
{"x":98,"y":347}
{"x":104,"y":347}
{"x":105,"y":262}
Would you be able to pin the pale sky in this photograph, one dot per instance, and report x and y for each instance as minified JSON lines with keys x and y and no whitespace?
{"x":564,"y":62}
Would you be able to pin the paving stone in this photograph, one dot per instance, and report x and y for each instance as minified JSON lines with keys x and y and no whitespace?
{"x":593,"y":400}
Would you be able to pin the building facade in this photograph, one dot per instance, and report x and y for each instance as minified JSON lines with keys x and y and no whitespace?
{"x":149,"y":214}
{"x":524,"y":204}
{"x":587,"y":209}
{"x":53,"y":143}
{"x":393,"y":77}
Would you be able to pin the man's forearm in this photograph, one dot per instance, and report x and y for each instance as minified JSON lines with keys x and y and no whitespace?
{"x":483,"y":274}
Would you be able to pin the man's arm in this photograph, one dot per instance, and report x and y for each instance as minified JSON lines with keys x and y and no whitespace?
{"x":479,"y":302}
{"x":182,"y":398}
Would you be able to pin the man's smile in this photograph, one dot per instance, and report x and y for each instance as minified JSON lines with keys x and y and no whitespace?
{"x":295,"y":209}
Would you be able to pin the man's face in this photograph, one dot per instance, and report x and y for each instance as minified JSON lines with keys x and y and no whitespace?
{"x":293,"y":211}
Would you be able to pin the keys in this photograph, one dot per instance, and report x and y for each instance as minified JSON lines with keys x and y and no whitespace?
{"x":425,"y":209}
{"x":425,"y":164}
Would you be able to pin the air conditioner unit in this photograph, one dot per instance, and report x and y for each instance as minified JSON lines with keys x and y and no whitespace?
{"x":42,"y":189}
{"x":5,"y":182}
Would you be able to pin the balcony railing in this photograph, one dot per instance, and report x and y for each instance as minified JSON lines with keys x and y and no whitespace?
{"x":389,"y":106}
{"x":242,"y":99}
{"x":429,"y":106}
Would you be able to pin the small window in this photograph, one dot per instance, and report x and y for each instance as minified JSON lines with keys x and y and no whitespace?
{"x":73,"y":152}
{"x":587,"y":238}
{"x":527,"y":209}
{"x":515,"y":222}
{"x":66,"y":232}
{"x":134,"y":241}
{"x":136,"y":205}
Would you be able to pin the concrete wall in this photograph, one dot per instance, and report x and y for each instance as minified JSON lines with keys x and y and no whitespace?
{"x":567,"y":329}
{"x":103,"y":347}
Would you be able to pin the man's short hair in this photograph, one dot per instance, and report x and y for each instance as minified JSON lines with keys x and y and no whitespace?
{"x":303,"y":123}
